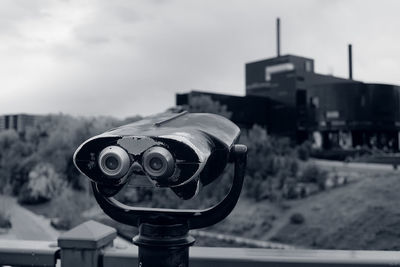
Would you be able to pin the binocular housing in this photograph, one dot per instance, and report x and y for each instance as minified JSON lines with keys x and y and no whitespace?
{"x":183,"y":151}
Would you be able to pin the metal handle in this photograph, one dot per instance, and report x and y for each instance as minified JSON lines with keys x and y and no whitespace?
{"x":195,"y":219}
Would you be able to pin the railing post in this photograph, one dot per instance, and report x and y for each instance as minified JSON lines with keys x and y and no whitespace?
{"x":81,"y":246}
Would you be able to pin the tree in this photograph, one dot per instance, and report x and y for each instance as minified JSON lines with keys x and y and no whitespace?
{"x":12,"y":150}
{"x":44,"y":183}
{"x":204,"y":103}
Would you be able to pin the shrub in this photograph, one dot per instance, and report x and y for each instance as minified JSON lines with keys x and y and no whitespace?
{"x":20,"y":173}
{"x":69,"y":206}
{"x":310,"y":174}
{"x":5,"y":221}
{"x":289,"y":189}
{"x":290,"y":165}
{"x":204,"y":103}
{"x":297,"y":218}
{"x":304,"y":151}
{"x":133,"y":195}
{"x":44,"y":182}
{"x":5,"y":217}
{"x":263,"y":190}
{"x":271,"y":161}
{"x":64,"y":223}
{"x":313,"y":174}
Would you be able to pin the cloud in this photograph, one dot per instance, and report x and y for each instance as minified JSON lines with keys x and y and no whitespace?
{"x":123,"y":58}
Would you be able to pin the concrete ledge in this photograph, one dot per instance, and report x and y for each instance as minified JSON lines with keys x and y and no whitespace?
{"x":88,"y":235}
{"x":28,"y":253}
{"x":241,"y":257}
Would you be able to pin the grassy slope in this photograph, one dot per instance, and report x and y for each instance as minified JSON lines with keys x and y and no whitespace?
{"x":361,"y":215}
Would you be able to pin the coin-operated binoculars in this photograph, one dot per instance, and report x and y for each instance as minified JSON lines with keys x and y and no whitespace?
{"x":183,"y":152}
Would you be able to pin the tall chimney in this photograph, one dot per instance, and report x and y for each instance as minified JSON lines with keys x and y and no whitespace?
{"x":278,"y":36}
{"x":350,"y":63}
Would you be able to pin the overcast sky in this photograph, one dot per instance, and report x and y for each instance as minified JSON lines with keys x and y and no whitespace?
{"x":122,"y":58}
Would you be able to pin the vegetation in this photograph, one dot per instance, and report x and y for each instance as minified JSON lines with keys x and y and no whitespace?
{"x":67,"y":209}
{"x":273,"y":170}
{"x":5,"y":218}
{"x":36,"y":163}
{"x":204,"y":103}
{"x":42,"y":185}
{"x":5,"y":221}
{"x":280,"y":199}
{"x":70,"y":208}
{"x":297,"y":218}
{"x":36,"y":166}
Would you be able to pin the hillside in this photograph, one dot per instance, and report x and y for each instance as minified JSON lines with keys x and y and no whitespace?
{"x":361,"y":215}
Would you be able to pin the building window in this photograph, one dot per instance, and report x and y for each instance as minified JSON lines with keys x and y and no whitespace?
{"x":308,"y":66}
{"x":314,"y":101}
{"x":333,"y":114}
{"x":363,"y":101}
{"x":301,"y":98}
{"x":7,"y":122}
{"x":269,"y":70}
{"x":15,"y":122}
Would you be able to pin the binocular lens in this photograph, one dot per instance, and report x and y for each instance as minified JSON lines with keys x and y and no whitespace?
{"x":158,"y":162}
{"x":114,"y":161}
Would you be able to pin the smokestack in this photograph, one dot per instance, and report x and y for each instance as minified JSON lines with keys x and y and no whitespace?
{"x":350,"y":63}
{"x":278,"y":36}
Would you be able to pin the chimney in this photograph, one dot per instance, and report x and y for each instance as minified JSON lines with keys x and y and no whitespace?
{"x":278,"y":36}
{"x":350,"y":63}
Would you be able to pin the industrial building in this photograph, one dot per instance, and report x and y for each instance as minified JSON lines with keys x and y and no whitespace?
{"x":285,"y":95}
{"x":17,"y":122}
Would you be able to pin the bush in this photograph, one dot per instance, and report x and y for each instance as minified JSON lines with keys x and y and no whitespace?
{"x":257,"y":188}
{"x":290,"y":189}
{"x":5,"y":217}
{"x":52,"y":139}
{"x":313,"y":174}
{"x":205,"y":103}
{"x":44,"y":183}
{"x":297,"y":218}
{"x":304,"y":151}
{"x":64,"y":223}
{"x":133,"y":195}
{"x":5,"y":221}
{"x":68,"y":208}
{"x":271,"y":161}
{"x":20,"y":173}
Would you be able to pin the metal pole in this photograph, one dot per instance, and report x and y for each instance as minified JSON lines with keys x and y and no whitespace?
{"x":163,"y":245}
{"x":350,"y":63}
{"x":278,"y":36}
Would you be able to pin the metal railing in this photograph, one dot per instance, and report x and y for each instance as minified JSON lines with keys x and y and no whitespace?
{"x":91,"y":244}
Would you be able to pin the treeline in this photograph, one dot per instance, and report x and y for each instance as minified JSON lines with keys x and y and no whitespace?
{"x":274,"y":165}
{"x":35,"y":164}
{"x":275,"y":170}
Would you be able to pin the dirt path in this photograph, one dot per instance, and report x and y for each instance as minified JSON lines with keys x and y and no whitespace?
{"x":353,"y":166}
{"x":25,"y":224}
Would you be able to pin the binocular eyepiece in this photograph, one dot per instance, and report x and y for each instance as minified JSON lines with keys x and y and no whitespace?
{"x":181,"y":151}
{"x":114,"y":162}
{"x":157,"y":162}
